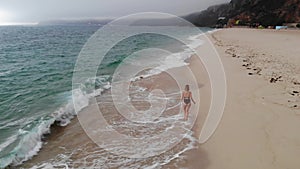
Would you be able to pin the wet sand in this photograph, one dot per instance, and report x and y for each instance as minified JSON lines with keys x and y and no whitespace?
{"x":71,"y":146}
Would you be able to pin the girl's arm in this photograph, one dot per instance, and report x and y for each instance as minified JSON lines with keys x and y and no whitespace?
{"x":192,"y":99}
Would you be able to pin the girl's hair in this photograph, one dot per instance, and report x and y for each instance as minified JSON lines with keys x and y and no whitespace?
{"x":187,"y":87}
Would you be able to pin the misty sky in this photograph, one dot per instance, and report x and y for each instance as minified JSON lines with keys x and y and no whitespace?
{"x":39,"y":10}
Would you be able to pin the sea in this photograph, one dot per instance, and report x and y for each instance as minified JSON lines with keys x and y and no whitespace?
{"x":36,"y":69}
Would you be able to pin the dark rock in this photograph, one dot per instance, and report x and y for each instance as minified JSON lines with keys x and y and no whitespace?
{"x":273,"y":80}
{"x":295,"y":92}
{"x":250,"y":73}
{"x":296,"y":83}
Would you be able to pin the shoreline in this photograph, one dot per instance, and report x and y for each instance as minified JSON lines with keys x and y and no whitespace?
{"x":251,"y":132}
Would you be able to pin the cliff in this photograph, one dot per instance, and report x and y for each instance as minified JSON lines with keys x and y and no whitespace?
{"x":265,"y":12}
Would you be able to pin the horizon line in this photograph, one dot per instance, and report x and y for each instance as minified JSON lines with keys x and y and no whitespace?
{"x":19,"y":23}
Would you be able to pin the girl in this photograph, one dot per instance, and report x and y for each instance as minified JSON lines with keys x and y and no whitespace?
{"x":186,"y":98}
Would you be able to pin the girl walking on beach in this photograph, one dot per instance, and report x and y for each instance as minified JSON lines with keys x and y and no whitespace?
{"x":187,"y":98}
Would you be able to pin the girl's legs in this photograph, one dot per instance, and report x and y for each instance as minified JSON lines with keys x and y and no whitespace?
{"x":185,"y":111}
{"x":188,"y":110}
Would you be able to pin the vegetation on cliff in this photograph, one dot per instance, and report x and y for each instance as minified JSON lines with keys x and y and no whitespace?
{"x":264,"y":12}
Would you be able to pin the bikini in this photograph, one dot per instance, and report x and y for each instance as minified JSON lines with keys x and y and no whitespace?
{"x":186,"y":100}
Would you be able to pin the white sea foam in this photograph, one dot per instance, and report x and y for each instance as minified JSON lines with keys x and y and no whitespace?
{"x":175,"y":59}
{"x":29,"y":144}
{"x":214,"y":30}
{"x":99,"y":158}
{"x":103,"y":159}
{"x":195,"y":41}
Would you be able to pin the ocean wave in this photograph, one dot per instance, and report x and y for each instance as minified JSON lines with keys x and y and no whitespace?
{"x":30,"y":141}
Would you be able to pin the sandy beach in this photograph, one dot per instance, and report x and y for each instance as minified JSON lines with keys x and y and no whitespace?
{"x":259,"y":124}
{"x":259,"y":128}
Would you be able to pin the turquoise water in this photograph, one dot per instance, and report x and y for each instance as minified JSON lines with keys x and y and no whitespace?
{"x":36,"y":80}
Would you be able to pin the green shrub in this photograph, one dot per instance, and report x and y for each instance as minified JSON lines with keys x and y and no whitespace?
{"x":261,"y":27}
